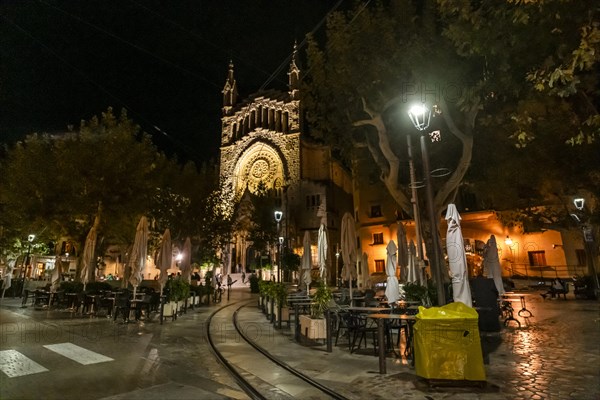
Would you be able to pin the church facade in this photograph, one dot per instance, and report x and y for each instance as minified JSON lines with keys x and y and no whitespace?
{"x":264,"y":142}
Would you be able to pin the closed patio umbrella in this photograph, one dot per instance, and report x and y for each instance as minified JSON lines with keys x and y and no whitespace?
{"x":412,"y":268}
{"x":306,"y":261}
{"x":365,"y":269}
{"x":7,"y":282}
{"x":137,"y":259}
{"x":322,"y":251}
{"x":392,"y":289}
{"x":348,"y":232}
{"x":402,"y":251}
{"x":186,"y":261}
{"x":457,"y":258}
{"x":88,"y":253}
{"x":491,"y":264}
{"x":165,"y":259}
{"x":56,"y":274}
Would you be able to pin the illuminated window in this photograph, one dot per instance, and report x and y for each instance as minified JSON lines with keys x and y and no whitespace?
{"x":537,"y":258}
{"x":379,"y":265}
{"x":378,"y":238}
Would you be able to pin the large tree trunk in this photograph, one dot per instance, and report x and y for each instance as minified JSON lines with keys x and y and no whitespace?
{"x":390,"y":165}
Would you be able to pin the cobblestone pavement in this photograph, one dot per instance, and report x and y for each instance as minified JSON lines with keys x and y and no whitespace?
{"x":555,"y":354}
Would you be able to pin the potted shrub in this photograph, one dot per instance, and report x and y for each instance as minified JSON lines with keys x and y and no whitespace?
{"x":177,"y":291}
{"x":426,"y":295}
{"x":279,"y":294}
{"x":314,"y":326}
{"x":254,"y":284}
{"x":264,"y":288}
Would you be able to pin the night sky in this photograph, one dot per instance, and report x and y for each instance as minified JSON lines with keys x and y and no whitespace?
{"x":164,"y":61}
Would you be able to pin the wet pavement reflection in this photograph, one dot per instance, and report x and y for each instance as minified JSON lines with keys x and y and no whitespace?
{"x":554,"y":354}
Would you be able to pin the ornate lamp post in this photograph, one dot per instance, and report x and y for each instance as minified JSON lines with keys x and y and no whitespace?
{"x":337,"y":265}
{"x":30,"y":239}
{"x":420,"y":117}
{"x":278,"y":215}
{"x":588,"y":240}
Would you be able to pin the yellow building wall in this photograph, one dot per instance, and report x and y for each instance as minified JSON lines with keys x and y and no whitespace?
{"x":479,"y":226}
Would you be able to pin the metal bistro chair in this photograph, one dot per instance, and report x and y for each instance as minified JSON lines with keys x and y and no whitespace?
{"x":398,"y":328}
{"x":361,"y":328}
{"x":143,"y":305}
{"x":122,"y":306}
{"x":343,"y":327}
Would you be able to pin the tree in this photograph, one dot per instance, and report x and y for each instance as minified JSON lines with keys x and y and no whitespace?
{"x":263,"y":230}
{"x":472,"y":62}
{"x":376,"y":62}
{"x":55,"y":185}
{"x":542,"y":57}
{"x":216,"y":229}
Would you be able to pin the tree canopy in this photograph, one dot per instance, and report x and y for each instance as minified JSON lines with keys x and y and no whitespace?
{"x":511,"y":84}
{"x":56,"y":185}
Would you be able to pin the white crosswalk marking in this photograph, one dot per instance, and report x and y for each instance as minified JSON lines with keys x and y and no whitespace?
{"x":76,"y":353}
{"x":14,"y":364}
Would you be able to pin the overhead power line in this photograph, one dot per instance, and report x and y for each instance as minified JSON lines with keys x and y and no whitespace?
{"x":82,"y":74}
{"x":135,"y":46}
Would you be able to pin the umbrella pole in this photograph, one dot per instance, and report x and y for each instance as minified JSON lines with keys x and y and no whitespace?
{"x":350,"y":286}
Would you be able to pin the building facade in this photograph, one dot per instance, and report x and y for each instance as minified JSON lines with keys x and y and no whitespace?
{"x":264,"y":143}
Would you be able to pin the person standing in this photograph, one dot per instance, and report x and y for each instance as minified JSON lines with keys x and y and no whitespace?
{"x":243,"y":276}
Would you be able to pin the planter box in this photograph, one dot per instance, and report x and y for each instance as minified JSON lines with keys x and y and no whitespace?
{"x":170,"y":309}
{"x":193,"y":301}
{"x":313,"y":328}
{"x":285,"y":313}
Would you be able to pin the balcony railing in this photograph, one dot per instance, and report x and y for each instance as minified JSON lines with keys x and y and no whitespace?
{"x":546,"y":272}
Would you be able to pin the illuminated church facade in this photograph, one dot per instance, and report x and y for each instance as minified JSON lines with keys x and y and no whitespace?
{"x":264,"y":142}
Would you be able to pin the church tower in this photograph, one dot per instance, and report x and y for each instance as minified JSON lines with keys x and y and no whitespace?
{"x":229,"y":91}
{"x":264,"y":144}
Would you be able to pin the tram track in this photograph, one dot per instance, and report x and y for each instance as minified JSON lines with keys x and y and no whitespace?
{"x":251,"y":382}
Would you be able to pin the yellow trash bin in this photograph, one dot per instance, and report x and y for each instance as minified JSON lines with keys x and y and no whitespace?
{"x":447,"y":344}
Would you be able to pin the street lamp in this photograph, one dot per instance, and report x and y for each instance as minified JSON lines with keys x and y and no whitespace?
{"x":278,"y":215}
{"x":30,"y":239}
{"x":588,"y":240}
{"x":420,"y":116}
{"x":337,"y":265}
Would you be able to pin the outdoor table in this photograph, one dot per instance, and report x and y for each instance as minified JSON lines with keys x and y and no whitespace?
{"x":41,"y":297}
{"x":407,"y":309}
{"x":72,"y":298}
{"x":94,"y":298}
{"x":381,"y":318}
{"x":368,"y":309}
{"x":113,"y":298}
{"x":133,"y":307}
{"x":357,"y":299}
{"x":298,"y":299}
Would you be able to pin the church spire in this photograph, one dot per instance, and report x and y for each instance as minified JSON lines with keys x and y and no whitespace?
{"x":229,"y":91}
{"x":294,"y":75}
